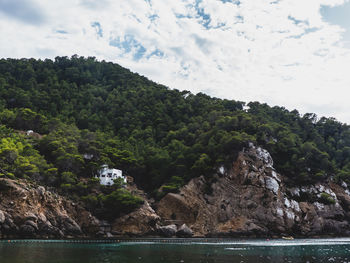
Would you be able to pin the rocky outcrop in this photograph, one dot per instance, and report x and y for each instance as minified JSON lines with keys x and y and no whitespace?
{"x":251,"y":199}
{"x":142,"y":221}
{"x":31,"y":211}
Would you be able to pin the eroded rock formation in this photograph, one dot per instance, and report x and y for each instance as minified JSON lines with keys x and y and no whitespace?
{"x":250,"y":199}
{"x":31,"y":211}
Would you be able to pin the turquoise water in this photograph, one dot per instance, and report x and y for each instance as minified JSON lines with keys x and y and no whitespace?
{"x":155,"y":251}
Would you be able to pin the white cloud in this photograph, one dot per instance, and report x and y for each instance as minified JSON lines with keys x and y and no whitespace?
{"x":279,"y":52}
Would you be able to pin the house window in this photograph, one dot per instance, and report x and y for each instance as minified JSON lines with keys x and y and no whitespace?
{"x":103,"y":175}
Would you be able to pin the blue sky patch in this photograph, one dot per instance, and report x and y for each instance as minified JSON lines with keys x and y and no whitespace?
{"x":297,"y":22}
{"x":338,"y":15}
{"x":201,"y":14}
{"x":98,"y":28}
{"x":236,"y":2}
{"x":61,"y":32}
{"x":182,"y":16}
{"x":129,"y":44}
{"x":23,"y":10}
{"x":153,"y":17}
{"x":157,"y":53}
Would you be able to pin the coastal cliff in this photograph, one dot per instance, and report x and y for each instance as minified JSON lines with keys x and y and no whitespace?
{"x":252,"y":199}
{"x":249,"y":199}
{"x":31,"y":211}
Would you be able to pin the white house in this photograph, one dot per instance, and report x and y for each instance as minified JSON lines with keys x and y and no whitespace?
{"x":107,"y":176}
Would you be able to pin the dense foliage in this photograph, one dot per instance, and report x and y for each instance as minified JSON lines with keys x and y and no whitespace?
{"x":161,"y":137}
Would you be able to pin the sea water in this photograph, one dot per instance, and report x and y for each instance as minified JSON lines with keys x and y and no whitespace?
{"x":175,"y":250}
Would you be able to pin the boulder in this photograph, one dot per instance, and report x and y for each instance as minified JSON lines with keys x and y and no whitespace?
{"x":167,"y":231}
{"x":336,"y":227}
{"x":47,"y":229}
{"x":42,"y":217}
{"x":27,"y":230}
{"x":9,"y":229}
{"x":71,"y":227}
{"x":109,"y":235}
{"x":100,"y":234}
{"x":255,"y":229}
{"x":184,"y":231}
{"x":30,"y":216}
{"x":32,"y":224}
{"x":140,"y":222}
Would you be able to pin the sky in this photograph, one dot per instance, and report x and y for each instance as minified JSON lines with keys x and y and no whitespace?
{"x":290,"y":53}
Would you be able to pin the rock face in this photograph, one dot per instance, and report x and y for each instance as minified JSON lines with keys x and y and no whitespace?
{"x":30,"y":211}
{"x":142,"y":221}
{"x":252,"y":200}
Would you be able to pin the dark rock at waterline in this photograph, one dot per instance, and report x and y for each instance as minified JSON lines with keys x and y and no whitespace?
{"x":167,"y":231}
{"x":27,"y":231}
{"x":46,"y":229}
{"x":72,"y":227}
{"x":32,"y":224}
{"x":184,"y":231}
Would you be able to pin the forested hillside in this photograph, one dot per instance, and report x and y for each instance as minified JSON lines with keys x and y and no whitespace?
{"x":161,"y":137}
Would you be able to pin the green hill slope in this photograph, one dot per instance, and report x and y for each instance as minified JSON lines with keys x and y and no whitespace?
{"x":158,"y":136}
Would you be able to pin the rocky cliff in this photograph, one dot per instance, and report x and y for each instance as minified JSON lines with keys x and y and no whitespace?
{"x":252,"y":199}
{"x":249,"y":199}
{"x":31,"y":211}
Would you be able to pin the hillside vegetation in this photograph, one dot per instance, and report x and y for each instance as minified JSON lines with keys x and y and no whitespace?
{"x":160,"y":137}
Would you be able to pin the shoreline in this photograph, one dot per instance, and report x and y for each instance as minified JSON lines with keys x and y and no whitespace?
{"x":166,"y":240}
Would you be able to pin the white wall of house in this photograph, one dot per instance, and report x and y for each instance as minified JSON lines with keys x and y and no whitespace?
{"x":107,"y":175}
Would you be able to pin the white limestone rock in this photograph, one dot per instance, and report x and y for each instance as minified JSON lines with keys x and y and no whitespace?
{"x":295,"y":206}
{"x":272,"y":184}
{"x":279,"y":212}
{"x":287,"y":202}
{"x":222,"y":170}
{"x":295,"y":192}
{"x":344,"y":185}
{"x":289,"y":214}
{"x":319,"y":206}
{"x":264,"y":156}
{"x":274,"y":175}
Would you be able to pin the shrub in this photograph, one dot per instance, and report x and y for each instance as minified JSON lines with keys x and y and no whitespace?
{"x":327,"y":199}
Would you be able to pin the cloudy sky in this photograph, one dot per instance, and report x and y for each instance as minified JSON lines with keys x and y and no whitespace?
{"x":292,"y":53}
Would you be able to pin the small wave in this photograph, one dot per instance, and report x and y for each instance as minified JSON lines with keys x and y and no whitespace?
{"x":235,"y":248}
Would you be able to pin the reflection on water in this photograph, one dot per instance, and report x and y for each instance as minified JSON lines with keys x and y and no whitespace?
{"x":322,"y":250}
